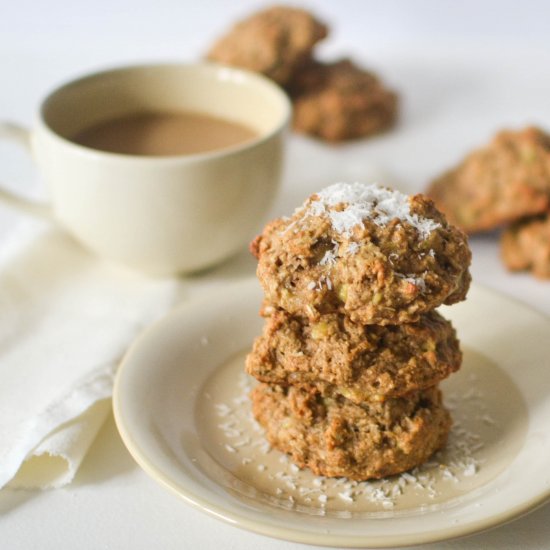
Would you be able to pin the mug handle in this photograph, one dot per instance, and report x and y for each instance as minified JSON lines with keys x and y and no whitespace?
{"x":18,"y":134}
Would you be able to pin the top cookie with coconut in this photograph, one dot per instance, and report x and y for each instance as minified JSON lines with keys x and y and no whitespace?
{"x":366,"y":251}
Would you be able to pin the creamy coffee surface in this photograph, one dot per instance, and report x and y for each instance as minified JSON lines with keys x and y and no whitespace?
{"x":164,"y":134}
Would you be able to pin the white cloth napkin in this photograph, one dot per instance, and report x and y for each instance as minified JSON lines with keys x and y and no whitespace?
{"x":66,"y":319}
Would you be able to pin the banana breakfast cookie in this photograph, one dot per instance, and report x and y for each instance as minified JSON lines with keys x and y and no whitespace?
{"x":526,"y":246}
{"x":361,"y":362}
{"x":339,"y":101}
{"x":273,"y":42}
{"x":334,"y":437}
{"x":500,"y":183}
{"x":352,"y":352}
{"x":375,"y":255}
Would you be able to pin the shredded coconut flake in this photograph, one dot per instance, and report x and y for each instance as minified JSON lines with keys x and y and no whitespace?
{"x":329,"y":258}
{"x":346,"y":496}
{"x":353,"y":247}
{"x":363,"y":202}
{"x":222,"y":409}
{"x":419,"y":282}
{"x":408,"y":477}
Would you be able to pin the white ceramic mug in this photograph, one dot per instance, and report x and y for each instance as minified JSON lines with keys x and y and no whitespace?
{"x":160,"y":215}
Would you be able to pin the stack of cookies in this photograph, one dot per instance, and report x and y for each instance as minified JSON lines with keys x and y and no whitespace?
{"x":332,"y":101}
{"x":352,"y":350}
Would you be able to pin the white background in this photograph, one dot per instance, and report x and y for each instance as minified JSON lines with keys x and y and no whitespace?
{"x":463,"y":70}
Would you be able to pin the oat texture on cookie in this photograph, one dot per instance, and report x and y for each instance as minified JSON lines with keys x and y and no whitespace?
{"x":367,"y":252}
{"x":352,"y":352}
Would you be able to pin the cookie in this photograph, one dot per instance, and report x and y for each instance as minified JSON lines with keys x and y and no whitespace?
{"x":360,"y":362}
{"x":499,"y":183}
{"x":526,"y":246}
{"x":273,"y":42}
{"x":375,"y":255}
{"x":334,"y":437}
{"x":340,"y":101}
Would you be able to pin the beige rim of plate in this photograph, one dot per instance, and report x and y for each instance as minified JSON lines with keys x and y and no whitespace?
{"x":166,"y":409}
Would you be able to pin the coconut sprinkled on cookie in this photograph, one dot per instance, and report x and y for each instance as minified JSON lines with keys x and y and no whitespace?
{"x":364,"y":202}
{"x":374,"y":254}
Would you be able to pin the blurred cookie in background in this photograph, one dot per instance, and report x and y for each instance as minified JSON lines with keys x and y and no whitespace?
{"x":335,"y":101}
{"x":498,"y":184}
{"x":340,"y":101}
{"x":273,"y":42}
{"x":525,"y":246}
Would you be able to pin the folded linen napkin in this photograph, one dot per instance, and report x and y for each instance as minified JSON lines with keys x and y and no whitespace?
{"x":66,"y":319}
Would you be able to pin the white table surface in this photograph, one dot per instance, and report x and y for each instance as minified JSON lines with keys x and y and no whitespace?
{"x":463,"y":69}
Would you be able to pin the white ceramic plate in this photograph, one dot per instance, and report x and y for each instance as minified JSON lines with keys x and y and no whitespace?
{"x":181,"y":406}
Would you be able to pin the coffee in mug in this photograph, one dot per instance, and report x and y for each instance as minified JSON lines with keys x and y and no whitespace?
{"x":164,"y":134}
